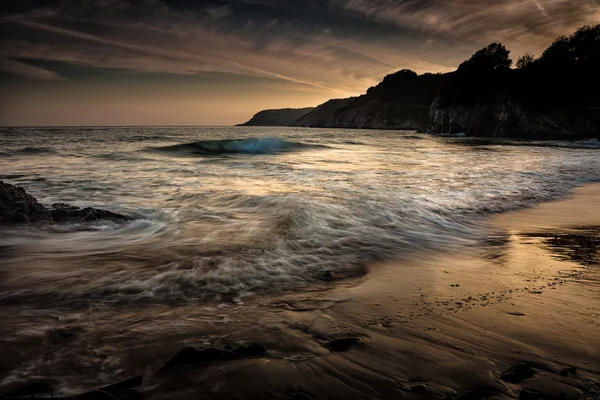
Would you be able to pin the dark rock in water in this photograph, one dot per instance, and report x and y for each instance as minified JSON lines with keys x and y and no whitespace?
{"x":32,"y":389}
{"x":518,"y":373}
{"x":191,"y":356}
{"x":328,"y":275}
{"x":568,"y":371}
{"x":16,"y":206}
{"x":255,"y":349}
{"x":252,"y":350}
{"x":482,"y":394}
{"x":120,"y":387}
{"x":63,"y":335}
{"x":300,"y":396}
{"x":342,"y":344}
{"x":67,"y":213}
{"x":241,"y":351}
{"x":529,"y":395}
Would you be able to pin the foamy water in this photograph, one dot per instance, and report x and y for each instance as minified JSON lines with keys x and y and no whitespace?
{"x":225,"y":213}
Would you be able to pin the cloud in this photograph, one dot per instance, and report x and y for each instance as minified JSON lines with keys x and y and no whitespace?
{"x":338,"y":46}
{"x":24,"y":70}
{"x":272,"y":40}
{"x":520,"y":22}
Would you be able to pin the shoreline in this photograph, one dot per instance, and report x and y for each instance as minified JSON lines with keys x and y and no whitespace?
{"x":446,"y":327}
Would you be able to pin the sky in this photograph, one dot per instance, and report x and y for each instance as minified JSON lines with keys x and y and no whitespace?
{"x":217,"y":62}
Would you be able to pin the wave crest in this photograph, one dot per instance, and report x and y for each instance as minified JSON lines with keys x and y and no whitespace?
{"x":240,"y":146}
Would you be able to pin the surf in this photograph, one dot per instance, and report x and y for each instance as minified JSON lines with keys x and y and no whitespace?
{"x":240,"y":146}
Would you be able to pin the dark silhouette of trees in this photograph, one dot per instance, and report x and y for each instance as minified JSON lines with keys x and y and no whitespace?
{"x":525,"y":60}
{"x":581,"y":47}
{"x":567,"y":74}
{"x":490,"y":58}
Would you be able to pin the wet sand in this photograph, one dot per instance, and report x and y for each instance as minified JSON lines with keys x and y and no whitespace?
{"x":450,"y":326}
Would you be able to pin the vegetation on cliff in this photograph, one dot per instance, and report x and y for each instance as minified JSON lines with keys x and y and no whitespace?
{"x":554,"y":96}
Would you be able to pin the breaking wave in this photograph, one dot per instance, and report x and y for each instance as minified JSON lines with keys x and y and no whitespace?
{"x":240,"y":146}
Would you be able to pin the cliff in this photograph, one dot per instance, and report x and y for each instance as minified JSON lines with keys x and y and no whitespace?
{"x":552,"y":98}
{"x":401,"y":101}
{"x":510,"y":118}
{"x":281,"y":117}
{"x":323,"y":115}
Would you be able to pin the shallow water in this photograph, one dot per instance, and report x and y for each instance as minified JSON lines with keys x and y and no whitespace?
{"x":276,"y":209}
{"x":239,"y":232}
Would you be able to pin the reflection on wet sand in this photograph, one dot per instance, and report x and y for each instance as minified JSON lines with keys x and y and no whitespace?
{"x":503,"y":320}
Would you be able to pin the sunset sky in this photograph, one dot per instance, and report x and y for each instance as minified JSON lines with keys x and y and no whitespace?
{"x":183,"y":62}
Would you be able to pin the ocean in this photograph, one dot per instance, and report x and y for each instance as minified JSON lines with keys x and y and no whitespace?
{"x":228,"y":213}
{"x":291,"y":238}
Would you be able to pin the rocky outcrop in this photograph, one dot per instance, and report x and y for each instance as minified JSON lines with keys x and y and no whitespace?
{"x":507,"y":118}
{"x":281,"y":117}
{"x":400,"y":101}
{"x":196,"y":357}
{"x":62,"y":212}
{"x":323,"y":115}
{"x":554,"y":97}
{"x":17,"y":206}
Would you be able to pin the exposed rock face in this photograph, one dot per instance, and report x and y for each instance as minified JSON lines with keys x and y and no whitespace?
{"x":282,"y":117}
{"x":323,"y":115}
{"x":554,"y":97}
{"x":192,"y":356}
{"x":370,"y":114}
{"x":506,"y":118}
{"x":16,"y":206}
{"x":67,"y":213}
{"x":400,"y":101}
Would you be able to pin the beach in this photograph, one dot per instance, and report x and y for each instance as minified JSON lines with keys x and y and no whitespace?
{"x":452,"y":328}
{"x":296,"y":264}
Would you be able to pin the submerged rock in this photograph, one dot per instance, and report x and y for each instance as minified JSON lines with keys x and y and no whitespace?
{"x":17,"y":206}
{"x":518,"y":373}
{"x":32,"y":389}
{"x":341,"y":344}
{"x":194,"y":357}
{"x":67,"y":213}
{"x":255,"y":349}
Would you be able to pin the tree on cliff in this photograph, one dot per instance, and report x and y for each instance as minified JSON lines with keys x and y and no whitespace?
{"x":583,"y":46}
{"x":525,"y":60}
{"x":494,"y":57}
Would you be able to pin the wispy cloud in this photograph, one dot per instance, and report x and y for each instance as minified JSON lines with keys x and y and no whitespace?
{"x":26,"y":71}
{"x":523,"y":23}
{"x":332,"y":48}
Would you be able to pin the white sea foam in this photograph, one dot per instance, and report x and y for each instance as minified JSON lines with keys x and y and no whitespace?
{"x":225,"y":228}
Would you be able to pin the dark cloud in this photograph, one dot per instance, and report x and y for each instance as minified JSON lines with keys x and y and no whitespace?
{"x":330,"y":47}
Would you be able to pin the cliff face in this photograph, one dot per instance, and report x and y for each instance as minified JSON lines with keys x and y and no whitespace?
{"x":323,"y":115}
{"x":552,"y":97}
{"x":281,"y":117}
{"x":400,"y":101}
{"x":507,"y":118}
{"x":372,"y":115}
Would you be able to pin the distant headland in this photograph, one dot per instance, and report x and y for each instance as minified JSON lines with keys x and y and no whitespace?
{"x":551,"y":97}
